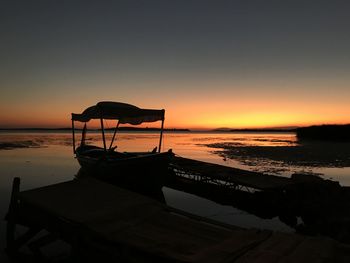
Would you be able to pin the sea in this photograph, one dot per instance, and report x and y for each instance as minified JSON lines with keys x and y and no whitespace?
{"x":46,"y":157}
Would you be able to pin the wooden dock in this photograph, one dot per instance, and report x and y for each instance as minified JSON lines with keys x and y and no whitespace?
{"x":103,"y":221}
{"x":227,"y":176}
{"x":304,"y":202}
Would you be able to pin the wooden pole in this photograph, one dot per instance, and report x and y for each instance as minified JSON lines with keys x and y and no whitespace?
{"x":73,"y":134}
{"x":11,"y":216}
{"x":161,"y":136}
{"x":83,"y":135}
{"x":103,"y":135}
{"x":14,"y":243}
{"x":115,"y":131}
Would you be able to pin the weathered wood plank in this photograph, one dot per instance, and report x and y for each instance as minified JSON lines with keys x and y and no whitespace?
{"x":126,"y":224}
{"x":255,"y":180}
{"x":282,"y":247}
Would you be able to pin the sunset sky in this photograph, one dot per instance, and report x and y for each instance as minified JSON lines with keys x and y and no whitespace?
{"x":209,"y":64}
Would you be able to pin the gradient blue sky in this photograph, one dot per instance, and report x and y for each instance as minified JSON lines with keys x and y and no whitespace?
{"x":208,"y":63}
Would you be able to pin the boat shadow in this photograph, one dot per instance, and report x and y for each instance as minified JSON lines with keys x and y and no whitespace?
{"x":150,"y":189}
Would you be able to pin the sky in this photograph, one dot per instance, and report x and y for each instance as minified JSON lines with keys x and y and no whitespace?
{"x":209,"y":64}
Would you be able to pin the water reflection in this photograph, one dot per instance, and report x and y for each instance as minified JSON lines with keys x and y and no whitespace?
{"x":53,"y":162}
{"x":274,"y":153}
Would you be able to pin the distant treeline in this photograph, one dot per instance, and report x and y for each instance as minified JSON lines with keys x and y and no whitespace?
{"x":263,"y":130}
{"x":145,"y":129}
{"x":325,"y":132}
{"x":35,"y":129}
{"x":257,"y":130}
{"x":108,"y":129}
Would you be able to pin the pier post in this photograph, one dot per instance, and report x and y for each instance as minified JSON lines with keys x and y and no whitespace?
{"x":11,"y":216}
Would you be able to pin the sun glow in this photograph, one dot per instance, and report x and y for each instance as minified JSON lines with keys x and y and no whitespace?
{"x":205,"y":110}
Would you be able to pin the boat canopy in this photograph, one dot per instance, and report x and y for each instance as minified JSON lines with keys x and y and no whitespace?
{"x":125,"y":113}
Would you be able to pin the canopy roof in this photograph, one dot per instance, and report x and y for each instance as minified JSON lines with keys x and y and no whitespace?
{"x":123,"y":112}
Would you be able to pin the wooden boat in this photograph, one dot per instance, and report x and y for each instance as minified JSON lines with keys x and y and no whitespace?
{"x":109,"y":164}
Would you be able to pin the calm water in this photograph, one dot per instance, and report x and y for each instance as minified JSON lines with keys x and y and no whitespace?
{"x":46,"y":158}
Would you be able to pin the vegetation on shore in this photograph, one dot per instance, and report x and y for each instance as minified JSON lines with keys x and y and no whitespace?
{"x":324,"y":133}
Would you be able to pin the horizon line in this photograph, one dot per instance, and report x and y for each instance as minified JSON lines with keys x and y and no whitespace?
{"x":286,"y":127}
{"x":282,"y":128}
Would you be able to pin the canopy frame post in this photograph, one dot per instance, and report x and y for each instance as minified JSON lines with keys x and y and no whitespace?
{"x":103,"y":135}
{"x":73,"y":134}
{"x":161,"y":135}
{"x":115,"y":131}
{"x":83,"y":135}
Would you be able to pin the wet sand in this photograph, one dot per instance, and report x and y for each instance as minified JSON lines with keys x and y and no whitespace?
{"x":18,"y":144}
{"x":276,"y":159}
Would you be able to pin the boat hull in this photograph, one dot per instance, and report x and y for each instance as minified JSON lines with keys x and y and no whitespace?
{"x":145,"y":170}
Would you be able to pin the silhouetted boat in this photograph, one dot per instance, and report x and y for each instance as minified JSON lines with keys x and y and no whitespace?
{"x":109,"y":164}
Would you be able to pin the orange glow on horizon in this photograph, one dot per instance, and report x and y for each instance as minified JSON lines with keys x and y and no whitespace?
{"x":206,"y":113}
{"x":191,"y":121}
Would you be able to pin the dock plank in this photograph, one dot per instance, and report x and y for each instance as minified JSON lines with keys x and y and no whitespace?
{"x":283,"y":247}
{"x":213,"y":171}
{"x":122,"y":219}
